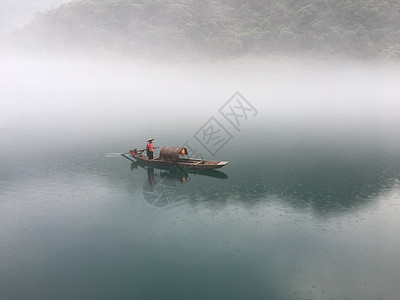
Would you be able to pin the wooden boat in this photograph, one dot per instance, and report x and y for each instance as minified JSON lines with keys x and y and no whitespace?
{"x":172,"y":156}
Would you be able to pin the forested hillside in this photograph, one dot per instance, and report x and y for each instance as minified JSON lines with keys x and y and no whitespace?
{"x":343,"y":28}
{"x":15,"y":13}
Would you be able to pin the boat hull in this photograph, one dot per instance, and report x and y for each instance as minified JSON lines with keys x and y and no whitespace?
{"x":188,"y":163}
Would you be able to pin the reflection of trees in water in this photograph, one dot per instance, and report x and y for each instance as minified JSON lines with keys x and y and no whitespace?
{"x":326,"y":185}
{"x":332,"y":184}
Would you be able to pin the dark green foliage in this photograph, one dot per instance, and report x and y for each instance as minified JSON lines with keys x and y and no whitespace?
{"x":347,"y":28}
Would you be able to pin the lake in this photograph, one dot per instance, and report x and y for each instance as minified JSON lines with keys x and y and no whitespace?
{"x":307,"y":208}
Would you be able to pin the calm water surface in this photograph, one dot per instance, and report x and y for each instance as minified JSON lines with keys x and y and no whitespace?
{"x":298,"y":213}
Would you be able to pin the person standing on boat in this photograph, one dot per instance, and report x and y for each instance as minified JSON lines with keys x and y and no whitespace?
{"x":150,"y":148}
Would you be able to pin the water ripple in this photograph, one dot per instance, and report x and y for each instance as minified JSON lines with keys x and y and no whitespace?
{"x":10,"y":130}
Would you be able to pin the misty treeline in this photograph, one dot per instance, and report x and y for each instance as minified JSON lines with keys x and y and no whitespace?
{"x":233,"y":28}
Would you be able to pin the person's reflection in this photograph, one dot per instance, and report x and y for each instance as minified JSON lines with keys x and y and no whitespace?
{"x":151,"y":175}
{"x":183,"y":178}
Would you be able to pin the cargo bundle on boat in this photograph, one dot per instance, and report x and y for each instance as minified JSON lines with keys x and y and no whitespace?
{"x":176,"y":156}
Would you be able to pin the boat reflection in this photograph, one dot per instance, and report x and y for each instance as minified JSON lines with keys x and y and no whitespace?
{"x":161,"y":186}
